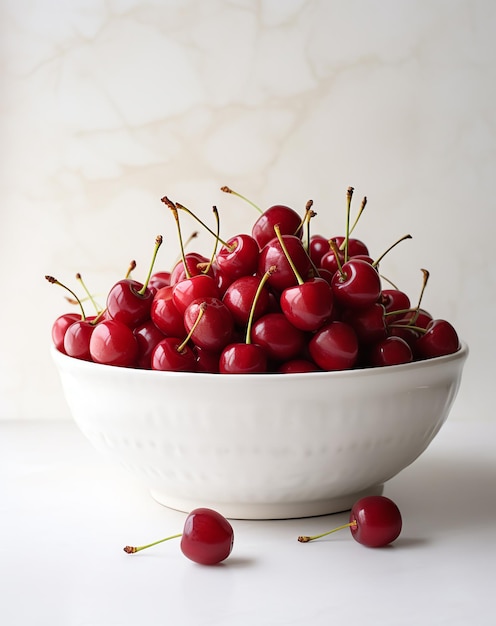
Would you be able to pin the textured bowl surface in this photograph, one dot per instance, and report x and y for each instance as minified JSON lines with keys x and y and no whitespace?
{"x":262,"y":446}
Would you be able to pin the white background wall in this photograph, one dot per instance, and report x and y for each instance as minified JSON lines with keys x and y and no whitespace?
{"x":107,"y":105}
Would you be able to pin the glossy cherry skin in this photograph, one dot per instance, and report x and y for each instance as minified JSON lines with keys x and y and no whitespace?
{"x":239,"y":257}
{"x":165,"y":314}
{"x":159,"y":280}
{"x":389,"y":351}
{"x":189,"y":289}
{"x":77,"y":340}
{"x":369,"y":323}
{"x":59,"y":328}
{"x":207,"y":537}
{"x":287,"y":218}
{"x":298,"y":366}
{"x":215,"y":327}
{"x":239,"y":298}
{"x":243,"y":358}
{"x":206,"y":360}
{"x":272,"y":255}
{"x":147,"y":335}
{"x":334,"y":347}
{"x":309,"y":305}
{"x":355,"y":246}
{"x":318,"y":246}
{"x":440,"y":338}
{"x":419,"y":317}
{"x":125,"y":304}
{"x":278,"y":337}
{"x":113,"y":343}
{"x":376,"y":521}
{"x":394,"y":300}
{"x":167,"y":357}
{"x":358,"y":286}
{"x":194,"y":262}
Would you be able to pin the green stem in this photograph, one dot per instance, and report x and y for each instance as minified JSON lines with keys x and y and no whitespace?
{"x":54,"y":281}
{"x":306,"y":539}
{"x":158,"y":243}
{"x":349,"y":195}
{"x":263,"y":280}
{"x":226,"y":189}
{"x":133,"y":549}
{"x":286,"y":254}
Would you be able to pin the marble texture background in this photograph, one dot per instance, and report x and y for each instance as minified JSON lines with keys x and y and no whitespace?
{"x":107,"y":105}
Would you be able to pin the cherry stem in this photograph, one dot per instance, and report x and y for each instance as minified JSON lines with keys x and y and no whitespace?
{"x":54,"y":281}
{"x":193,"y":235}
{"x":425,"y":279}
{"x":175,"y":213}
{"x":349,"y":196}
{"x":377,"y":261}
{"x":263,"y":280}
{"x":287,"y":255}
{"x":334,"y":247}
{"x":133,"y":549}
{"x":181,"y":346}
{"x":158,"y":243}
{"x":132,"y":266}
{"x":90,"y":297}
{"x":362,"y":207}
{"x":226,"y":189}
{"x":216,"y":235}
{"x":306,"y":538}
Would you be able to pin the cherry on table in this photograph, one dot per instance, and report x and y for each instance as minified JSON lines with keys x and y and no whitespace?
{"x":375,"y":522}
{"x":207,"y":537}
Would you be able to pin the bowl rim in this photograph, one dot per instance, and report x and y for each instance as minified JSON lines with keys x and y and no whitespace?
{"x":460,"y":355}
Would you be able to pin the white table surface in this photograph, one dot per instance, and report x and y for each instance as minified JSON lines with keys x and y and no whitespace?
{"x":65,"y":515}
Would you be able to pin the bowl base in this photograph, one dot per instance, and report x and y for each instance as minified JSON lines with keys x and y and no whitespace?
{"x":268,"y":511}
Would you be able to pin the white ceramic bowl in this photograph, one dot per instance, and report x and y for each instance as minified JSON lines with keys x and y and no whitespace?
{"x":262,"y":446}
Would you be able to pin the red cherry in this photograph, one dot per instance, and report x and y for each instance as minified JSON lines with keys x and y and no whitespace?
{"x":195,"y":262}
{"x":278,"y":337}
{"x":355,"y":246}
{"x":389,"y":351}
{"x":128,"y":303}
{"x":243,"y":358}
{"x":77,"y":339}
{"x":375,"y":521}
{"x":165,"y":315}
{"x":147,"y":336}
{"x":214,"y":330}
{"x":357,"y":284}
{"x":207,"y":538}
{"x":272,"y":255}
{"x":334,"y":347}
{"x":439,"y":338}
{"x":113,"y":343}
{"x":369,"y":323}
{"x":319,"y":245}
{"x":288,"y":219}
{"x":159,"y":280}
{"x":239,"y":298}
{"x":59,"y":328}
{"x":197,"y":287}
{"x":395,"y":300}
{"x":308,"y":305}
{"x":239,"y":256}
{"x":297,"y":366}
{"x":173,"y":355}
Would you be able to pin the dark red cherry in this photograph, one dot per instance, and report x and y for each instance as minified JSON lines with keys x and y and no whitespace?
{"x":334,"y":347}
{"x":357,"y":285}
{"x":319,"y":245}
{"x":243,"y":358}
{"x":77,"y":339}
{"x":214,"y":330}
{"x":273,"y":255}
{"x":59,"y":328}
{"x":375,"y":521}
{"x":206,"y":360}
{"x":329,"y":263}
{"x":239,"y":257}
{"x":288,"y":219}
{"x":439,"y":338}
{"x":171,"y":354}
{"x":394,"y":300}
{"x":159,"y":280}
{"x":207,"y":538}
{"x":195,"y":263}
{"x":239,"y":297}
{"x":389,"y":351}
{"x":355,"y":246}
{"x":165,"y":315}
{"x":278,"y":337}
{"x":308,"y":305}
{"x":369,"y":323}
{"x":127,"y":303}
{"x":417,"y":317}
{"x":113,"y":343}
{"x":197,"y":287}
{"x":147,"y":336}
{"x":297,"y":366}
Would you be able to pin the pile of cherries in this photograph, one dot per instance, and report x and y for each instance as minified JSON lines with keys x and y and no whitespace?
{"x":277,"y":300}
